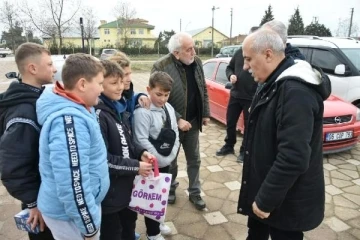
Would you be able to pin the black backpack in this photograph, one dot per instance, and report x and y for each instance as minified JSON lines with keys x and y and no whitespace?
{"x":166,"y":139}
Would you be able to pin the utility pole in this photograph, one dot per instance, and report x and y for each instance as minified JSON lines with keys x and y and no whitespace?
{"x":180,"y":24}
{"x":212,"y":31}
{"x":231,"y":19}
{"x":82,"y":34}
{"x":351,"y":19}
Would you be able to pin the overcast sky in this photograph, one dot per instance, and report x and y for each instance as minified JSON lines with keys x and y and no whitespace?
{"x":194,"y":14}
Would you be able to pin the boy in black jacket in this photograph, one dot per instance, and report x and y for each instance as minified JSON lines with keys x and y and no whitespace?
{"x":125,"y":159}
{"x":19,"y":131}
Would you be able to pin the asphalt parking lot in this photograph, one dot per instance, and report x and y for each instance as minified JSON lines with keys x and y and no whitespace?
{"x":220,"y":178}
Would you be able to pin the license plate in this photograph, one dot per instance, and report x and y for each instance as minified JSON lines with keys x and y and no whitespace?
{"x":338,"y":136}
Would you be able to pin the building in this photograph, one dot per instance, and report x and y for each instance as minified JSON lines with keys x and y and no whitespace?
{"x":203,"y":37}
{"x":131,"y":33}
{"x":237,"y":40}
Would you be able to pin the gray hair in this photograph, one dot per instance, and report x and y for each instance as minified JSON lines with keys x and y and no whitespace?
{"x":278,"y":27}
{"x":264,"y":39}
{"x":176,"y":40}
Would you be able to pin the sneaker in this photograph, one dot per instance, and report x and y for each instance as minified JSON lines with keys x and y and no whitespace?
{"x":165,"y":229}
{"x":172,"y":195}
{"x":197,"y":201}
{"x":240,"y":158}
{"x":157,"y":237}
{"x":137,"y":236}
{"x":225,"y":150}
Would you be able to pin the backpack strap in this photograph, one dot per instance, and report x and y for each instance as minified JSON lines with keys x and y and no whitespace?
{"x":168,"y":120}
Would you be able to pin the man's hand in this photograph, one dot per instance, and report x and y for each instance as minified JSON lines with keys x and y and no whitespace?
{"x":258,"y":212}
{"x":145,"y":169}
{"x":184,"y":125}
{"x":147,"y":157}
{"x":144,"y":101}
{"x":205,"y":121}
{"x":35,"y":218}
{"x":233,"y":79}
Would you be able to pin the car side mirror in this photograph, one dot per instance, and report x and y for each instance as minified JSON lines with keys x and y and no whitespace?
{"x":341,"y":69}
{"x":11,"y":75}
{"x":228,"y":85}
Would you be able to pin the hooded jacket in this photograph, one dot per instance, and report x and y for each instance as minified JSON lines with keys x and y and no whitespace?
{"x":122,"y":154}
{"x":73,"y":165}
{"x":148,"y":123}
{"x":283,"y":164}
{"x":19,"y":141}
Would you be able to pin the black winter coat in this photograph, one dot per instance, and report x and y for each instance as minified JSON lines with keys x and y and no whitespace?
{"x":123,"y":157}
{"x":19,"y":142}
{"x":283,"y":164}
{"x":245,"y":86}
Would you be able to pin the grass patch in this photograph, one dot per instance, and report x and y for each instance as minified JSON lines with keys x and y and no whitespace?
{"x":141,"y":66}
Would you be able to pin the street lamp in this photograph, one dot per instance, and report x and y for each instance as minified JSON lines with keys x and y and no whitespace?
{"x":212,"y":31}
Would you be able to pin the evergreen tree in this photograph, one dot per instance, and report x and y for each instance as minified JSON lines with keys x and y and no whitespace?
{"x":317,"y":29}
{"x":268,"y":16}
{"x":13,"y":36}
{"x":296,"y":24}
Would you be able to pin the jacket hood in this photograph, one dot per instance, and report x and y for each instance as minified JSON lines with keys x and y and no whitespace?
{"x":312,"y":76}
{"x":107,"y":106}
{"x":18,"y":93}
{"x":50,"y":102}
{"x":129,"y":93}
{"x":293,"y":52}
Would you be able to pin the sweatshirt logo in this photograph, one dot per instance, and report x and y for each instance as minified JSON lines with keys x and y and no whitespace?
{"x":165,"y":146}
{"x":124,"y":144}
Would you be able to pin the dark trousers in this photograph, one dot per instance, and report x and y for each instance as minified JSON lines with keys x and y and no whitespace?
{"x":152,"y":226}
{"x":120,"y":225}
{"x":261,"y":231}
{"x":235,"y":107}
{"x":45,"y":235}
{"x":190,"y":143}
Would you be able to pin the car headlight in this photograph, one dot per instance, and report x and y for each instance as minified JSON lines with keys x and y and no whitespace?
{"x":357,"y":114}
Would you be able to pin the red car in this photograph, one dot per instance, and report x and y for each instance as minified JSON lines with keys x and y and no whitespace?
{"x":341,"y":119}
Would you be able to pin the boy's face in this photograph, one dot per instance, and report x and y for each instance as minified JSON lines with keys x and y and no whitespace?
{"x":44,"y":69}
{"x":113,"y":87}
{"x":127,"y":77}
{"x":93,"y":89}
{"x":158,"y":96}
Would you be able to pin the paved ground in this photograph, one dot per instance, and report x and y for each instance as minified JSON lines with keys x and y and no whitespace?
{"x":220,"y":177}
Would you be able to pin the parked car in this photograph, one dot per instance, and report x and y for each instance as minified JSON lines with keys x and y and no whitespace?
{"x":339,"y":58}
{"x":106,"y":53}
{"x":5,"y":51}
{"x":228,"y":51}
{"x":341,"y":128}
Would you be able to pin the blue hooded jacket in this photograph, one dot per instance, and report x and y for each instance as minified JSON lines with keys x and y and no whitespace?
{"x":73,"y":162}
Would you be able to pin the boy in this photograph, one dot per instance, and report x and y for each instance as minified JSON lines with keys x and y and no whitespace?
{"x":118,"y":222}
{"x":19,"y":131}
{"x":73,"y":164}
{"x":148,"y":125}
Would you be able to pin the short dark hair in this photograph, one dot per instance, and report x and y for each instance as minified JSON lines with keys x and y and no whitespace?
{"x":112,"y":69}
{"x":161,"y":80}
{"x":121,"y":58}
{"x":80,"y":65}
{"x":253,"y":29}
{"x":28,"y":50}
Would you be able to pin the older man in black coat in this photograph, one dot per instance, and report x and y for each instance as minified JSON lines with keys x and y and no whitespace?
{"x":283,"y":190}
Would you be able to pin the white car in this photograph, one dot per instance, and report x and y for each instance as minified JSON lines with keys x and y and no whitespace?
{"x":337,"y":57}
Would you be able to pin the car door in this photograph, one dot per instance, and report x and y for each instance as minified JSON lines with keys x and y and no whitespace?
{"x":209,"y":72}
{"x":222,"y":94}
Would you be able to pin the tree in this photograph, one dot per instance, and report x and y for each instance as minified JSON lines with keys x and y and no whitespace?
{"x":317,"y":29}
{"x":343,"y":28}
{"x":124,"y":14}
{"x":8,"y":16}
{"x":296,"y":24}
{"x":268,"y":16}
{"x":52,"y":17}
{"x":89,"y":23}
{"x":13,"y":36}
{"x":164,"y":38}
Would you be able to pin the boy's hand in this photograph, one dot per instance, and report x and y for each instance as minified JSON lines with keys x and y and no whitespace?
{"x":35,"y":218}
{"x":184,"y":125}
{"x":145,"y":169}
{"x":147,"y":157}
{"x":144,"y":101}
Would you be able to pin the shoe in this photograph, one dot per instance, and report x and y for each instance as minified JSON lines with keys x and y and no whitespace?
{"x":225,"y":150}
{"x":197,"y":201}
{"x":157,"y":237}
{"x":165,"y":229}
{"x":137,"y":236}
{"x":172,"y":195}
{"x":240,"y":158}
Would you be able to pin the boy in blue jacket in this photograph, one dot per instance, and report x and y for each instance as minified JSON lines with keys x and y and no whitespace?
{"x":73,"y":161}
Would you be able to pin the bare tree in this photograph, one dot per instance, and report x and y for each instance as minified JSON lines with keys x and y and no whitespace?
{"x":90,"y":29}
{"x":124,"y":14}
{"x":52,"y":17}
{"x":343,"y":28}
{"x":8,"y":15}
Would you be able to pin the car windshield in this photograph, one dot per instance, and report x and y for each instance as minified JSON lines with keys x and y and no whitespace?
{"x":354,"y":55}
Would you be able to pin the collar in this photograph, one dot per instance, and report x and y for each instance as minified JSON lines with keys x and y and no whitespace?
{"x":59,"y":90}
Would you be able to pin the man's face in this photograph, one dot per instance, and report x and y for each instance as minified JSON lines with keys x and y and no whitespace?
{"x":187,"y":52}
{"x":93,"y":89}
{"x":45,"y":70}
{"x":127,"y":77}
{"x":158,"y":96}
{"x":256,"y":63}
{"x":113,"y":87}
